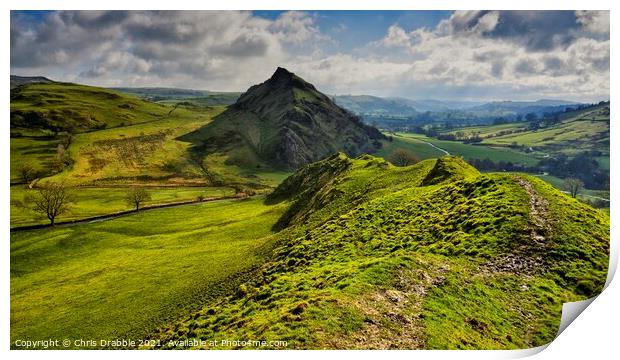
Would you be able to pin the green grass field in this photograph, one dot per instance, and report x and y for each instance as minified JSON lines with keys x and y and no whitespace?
{"x":422,"y":150}
{"x":417,"y":144}
{"x":94,"y":201}
{"x":87,"y":281}
{"x":559,"y":184}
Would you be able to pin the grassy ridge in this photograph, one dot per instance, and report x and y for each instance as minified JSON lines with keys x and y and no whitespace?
{"x":376,"y":259}
{"x":88,"y":282}
{"x":41,"y":111}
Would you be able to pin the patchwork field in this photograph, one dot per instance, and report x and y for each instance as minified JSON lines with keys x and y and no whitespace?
{"x":575,"y":132}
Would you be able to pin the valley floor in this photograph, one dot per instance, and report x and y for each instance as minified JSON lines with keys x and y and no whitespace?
{"x":87,"y":281}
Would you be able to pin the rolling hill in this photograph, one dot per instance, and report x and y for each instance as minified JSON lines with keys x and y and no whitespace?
{"x":367,"y":105}
{"x":48,"y":108}
{"x":430,"y":256}
{"x":283,"y":123}
{"x":173,"y":96}
{"x":584,"y":129}
{"x":85,"y":135}
{"x":23,"y":80}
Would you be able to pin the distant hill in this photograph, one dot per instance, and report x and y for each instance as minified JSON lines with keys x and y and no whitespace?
{"x":53,"y":107}
{"x":174,"y":95}
{"x":21,"y":80}
{"x":397,"y":113}
{"x":155,"y":93}
{"x":433,"y":105}
{"x":284,"y":122}
{"x":366,"y":104}
{"x":523,"y":107}
{"x":398,"y":106}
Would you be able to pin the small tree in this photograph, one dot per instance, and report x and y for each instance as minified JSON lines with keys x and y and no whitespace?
{"x":137,"y":196}
{"x":402,"y":157}
{"x":27,"y":173}
{"x":50,"y":199}
{"x":573,"y":186}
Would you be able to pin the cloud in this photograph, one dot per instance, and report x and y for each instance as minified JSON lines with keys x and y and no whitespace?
{"x":297,"y":28}
{"x":485,"y":54}
{"x":491,"y":50}
{"x":536,"y":30}
{"x":596,"y":22}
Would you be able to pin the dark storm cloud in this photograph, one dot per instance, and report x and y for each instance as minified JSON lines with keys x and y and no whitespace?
{"x":536,"y":30}
{"x":163,"y":32}
{"x":94,"y":19}
{"x":243,"y":46}
{"x":555,"y":66}
{"x":601,"y":64}
{"x":94,"y":73}
{"x":61,"y":37}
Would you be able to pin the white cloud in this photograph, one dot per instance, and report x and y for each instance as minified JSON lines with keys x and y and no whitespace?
{"x":594,"y":21}
{"x":473,"y":54}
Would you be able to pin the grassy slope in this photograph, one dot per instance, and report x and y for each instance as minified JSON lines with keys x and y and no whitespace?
{"x":145,"y":151}
{"x":149,"y":150}
{"x":138,"y":143}
{"x":375,"y":259}
{"x":36,"y":151}
{"x":77,"y":108}
{"x":84,"y":107}
{"x":88,"y":282}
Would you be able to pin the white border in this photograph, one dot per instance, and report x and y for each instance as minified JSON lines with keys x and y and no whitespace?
{"x":594,"y":333}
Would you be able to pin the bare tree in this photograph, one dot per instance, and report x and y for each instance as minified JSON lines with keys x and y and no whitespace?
{"x":137,"y":196}
{"x":27,"y":172}
{"x":50,"y":199}
{"x":573,"y":186}
{"x":402,"y":157}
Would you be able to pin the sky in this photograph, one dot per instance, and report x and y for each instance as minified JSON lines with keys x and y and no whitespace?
{"x":449,"y":55}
